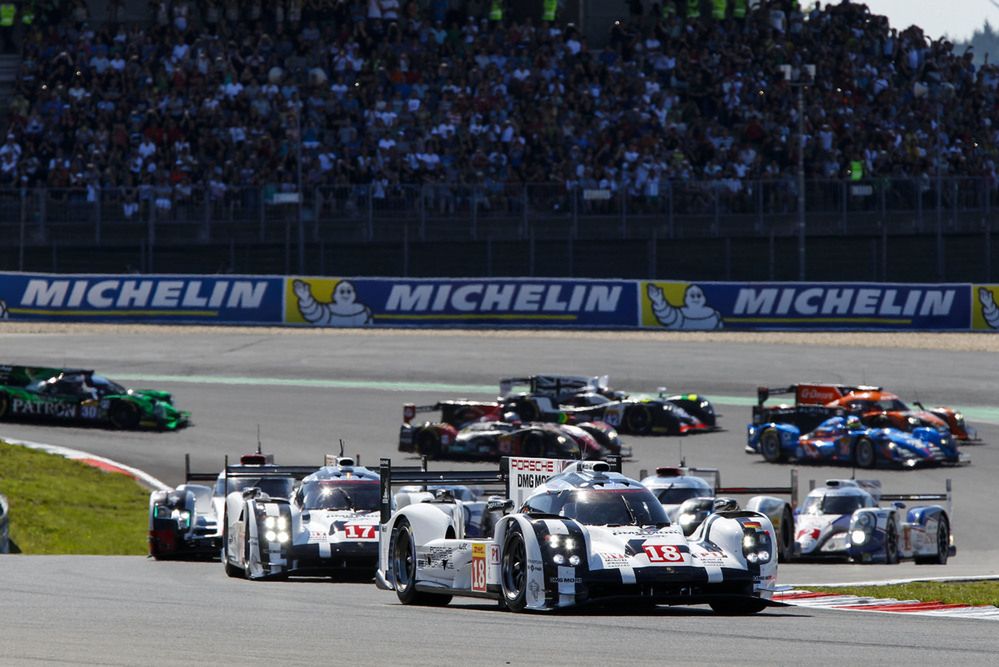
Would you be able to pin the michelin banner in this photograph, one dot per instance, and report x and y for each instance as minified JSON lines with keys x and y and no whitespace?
{"x":743,"y":306}
{"x":513,"y":302}
{"x":985,"y":316}
{"x":152,"y":298}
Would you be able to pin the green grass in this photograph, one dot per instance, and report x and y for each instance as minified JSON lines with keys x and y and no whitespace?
{"x":963,"y":592}
{"x":61,"y":506}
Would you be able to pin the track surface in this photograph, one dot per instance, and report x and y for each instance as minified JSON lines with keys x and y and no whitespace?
{"x":126,"y":610}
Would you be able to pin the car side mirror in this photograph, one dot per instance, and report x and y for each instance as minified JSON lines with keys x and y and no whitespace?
{"x":499,"y":505}
{"x":898,"y":505}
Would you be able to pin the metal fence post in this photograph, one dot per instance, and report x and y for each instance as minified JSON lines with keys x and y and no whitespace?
{"x":23,"y":230}
{"x":97,"y":214}
{"x":475,"y":212}
{"x":523,"y":213}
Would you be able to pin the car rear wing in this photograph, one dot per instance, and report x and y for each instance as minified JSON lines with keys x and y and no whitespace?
{"x":410,"y":410}
{"x":713,"y":476}
{"x":791,"y":490}
{"x":513,"y":476}
{"x":874,"y":488}
{"x":252,"y":460}
{"x":811,"y":393}
{"x":554,"y":385}
{"x":268,"y":470}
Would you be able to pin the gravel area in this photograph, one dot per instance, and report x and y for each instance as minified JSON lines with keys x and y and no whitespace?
{"x":966,"y":342}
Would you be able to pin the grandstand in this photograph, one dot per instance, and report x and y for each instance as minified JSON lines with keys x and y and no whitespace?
{"x":378,"y":136}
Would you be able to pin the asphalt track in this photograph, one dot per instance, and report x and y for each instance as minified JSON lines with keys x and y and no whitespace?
{"x":308,"y":391}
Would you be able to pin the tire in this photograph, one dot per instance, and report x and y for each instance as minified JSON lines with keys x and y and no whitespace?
{"x":943,"y":546}
{"x":864,"y":453}
{"x":402,"y":561}
{"x":770,"y":446}
{"x":4,"y":404}
{"x":786,"y":548}
{"x":230,"y":569}
{"x":428,"y":443}
{"x":638,"y":420}
{"x":124,"y":415}
{"x":513,"y":570}
{"x":233,"y":571}
{"x":891,"y":543}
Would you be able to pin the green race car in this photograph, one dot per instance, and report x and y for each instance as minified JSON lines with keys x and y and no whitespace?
{"x":76,"y":395}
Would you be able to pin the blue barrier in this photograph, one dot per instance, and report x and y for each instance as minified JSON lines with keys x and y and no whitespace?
{"x":498,"y":302}
{"x":152,"y":298}
{"x":803,"y":306}
{"x":492,"y":302}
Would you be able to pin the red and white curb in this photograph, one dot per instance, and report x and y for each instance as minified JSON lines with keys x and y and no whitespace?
{"x":842,"y":602}
{"x":106,"y":464}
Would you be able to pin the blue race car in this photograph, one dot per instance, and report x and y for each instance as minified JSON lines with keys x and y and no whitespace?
{"x":845,"y":439}
{"x":842,"y":520}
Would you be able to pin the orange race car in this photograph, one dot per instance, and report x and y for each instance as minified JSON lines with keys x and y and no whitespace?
{"x":878,"y":408}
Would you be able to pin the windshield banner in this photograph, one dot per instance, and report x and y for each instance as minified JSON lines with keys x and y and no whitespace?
{"x":492,"y":302}
{"x":706,"y":306}
{"x":132,"y":298}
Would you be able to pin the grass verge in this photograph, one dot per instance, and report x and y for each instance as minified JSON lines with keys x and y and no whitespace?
{"x":61,"y":506}
{"x":950,"y":592}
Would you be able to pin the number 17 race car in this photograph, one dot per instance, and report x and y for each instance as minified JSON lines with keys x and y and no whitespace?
{"x":582,"y":533}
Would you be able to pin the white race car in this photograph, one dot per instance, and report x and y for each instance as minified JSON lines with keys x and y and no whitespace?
{"x":690,"y":495}
{"x":4,"y":525}
{"x":843,"y":520}
{"x":184,"y":522}
{"x":328,"y":524}
{"x":583,"y":533}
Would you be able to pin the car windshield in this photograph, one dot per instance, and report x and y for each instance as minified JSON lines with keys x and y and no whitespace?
{"x":275,"y":487}
{"x":828,"y":504}
{"x":600,"y":507}
{"x":676,"y":496}
{"x":106,"y":386}
{"x":336,"y":494}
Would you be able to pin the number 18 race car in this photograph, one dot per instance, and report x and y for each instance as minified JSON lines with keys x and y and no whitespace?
{"x":582,"y":533}
{"x":82,"y":396}
{"x":327,"y":525}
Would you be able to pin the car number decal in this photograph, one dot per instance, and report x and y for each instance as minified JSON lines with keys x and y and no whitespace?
{"x":479,"y":567}
{"x":663,"y":553}
{"x":356,"y":531}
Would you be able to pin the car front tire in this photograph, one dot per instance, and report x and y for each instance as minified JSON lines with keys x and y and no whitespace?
{"x":513,"y":570}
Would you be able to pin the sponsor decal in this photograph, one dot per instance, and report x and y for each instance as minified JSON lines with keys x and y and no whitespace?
{"x":334,"y":301}
{"x":663,"y":553}
{"x":985,"y":307}
{"x":356,"y":531}
{"x":816,"y":394}
{"x":249,"y":299}
{"x":479,"y":567}
{"x":566,"y":575}
{"x":529,"y":473}
{"x":319,"y":536}
{"x":614,"y":560}
{"x":43,"y":408}
{"x":705,"y":306}
{"x":534,"y":592}
{"x":535,"y":566}
{"x":494,"y":558}
{"x":440,"y":557}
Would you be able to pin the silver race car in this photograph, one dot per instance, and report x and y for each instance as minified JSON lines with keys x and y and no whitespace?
{"x":326,"y":525}
{"x":582,"y":533}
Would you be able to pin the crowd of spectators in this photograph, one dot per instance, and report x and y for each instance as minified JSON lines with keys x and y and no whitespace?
{"x":224,"y":94}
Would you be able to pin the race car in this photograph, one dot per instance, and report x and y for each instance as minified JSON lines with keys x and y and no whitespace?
{"x":690,"y":495}
{"x":842,"y":520}
{"x":4,"y":525}
{"x":184,"y":522}
{"x":64,"y":395}
{"x":583,"y":533}
{"x":327,"y":525}
{"x":846,"y":440}
{"x":469,"y":431}
{"x":878,"y":408}
{"x":576,"y":398}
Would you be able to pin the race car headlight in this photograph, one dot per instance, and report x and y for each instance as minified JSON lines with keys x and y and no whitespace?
{"x":553,"y":541}
{"x":270,"y":536}
{"x":282,"y":523}
{"x":183,"y":517}
{"x":558,"y":559}
{"x":270,"y":523}
{"x":574,"y":560}
{"x":858,"y":536}
{"x":687,"y":518}
{"x":282,"y":537}
{"x":568,"y":544}
{"x":913,"y":421}
{"x":748,"y":541}
{"x":865,"y":519}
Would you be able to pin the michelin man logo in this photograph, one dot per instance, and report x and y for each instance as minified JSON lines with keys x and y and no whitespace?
{"x":695,"y":314}
{"x":3,"y":310}
{"x":990,"y":312}
{"x":344,"y":311}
